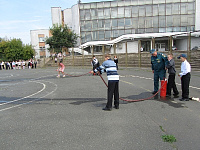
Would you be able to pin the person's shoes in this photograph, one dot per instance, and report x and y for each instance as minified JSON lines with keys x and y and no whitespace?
{"x":184,"y":99}
{"x":176,"y":94}
{"x":167,"y":95}
{"x":154,"y":92}
{"x":63,"y":76}
{"x":58,"y":76}
{"x":116,"y":107}
{"x":107,"y":109}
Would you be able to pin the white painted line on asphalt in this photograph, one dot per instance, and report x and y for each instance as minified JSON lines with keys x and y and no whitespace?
{"x":44,"y":86}
{"x":193,"y":87}
{"x":32,"y":100}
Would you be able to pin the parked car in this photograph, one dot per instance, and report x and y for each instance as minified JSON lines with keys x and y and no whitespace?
{"x":174,"y":48}
{"x":196,"y":48}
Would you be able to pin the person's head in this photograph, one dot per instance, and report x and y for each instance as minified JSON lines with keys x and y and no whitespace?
{"x":153,"y":52}
{"x":169,"y":56}
{"x":93,"y":56}
{"x":107,"y":56}
{"x":115,"y":56}
{"x":183,"y":57}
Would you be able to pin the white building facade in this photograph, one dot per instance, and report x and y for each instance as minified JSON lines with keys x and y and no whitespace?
{"x":38,"y":38}
{"x":108,"y":20}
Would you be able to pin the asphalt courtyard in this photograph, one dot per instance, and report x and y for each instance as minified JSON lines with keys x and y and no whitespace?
{"x":39,"y":111}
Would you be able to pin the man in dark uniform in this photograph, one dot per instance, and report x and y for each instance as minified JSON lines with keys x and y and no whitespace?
{"x":158,"y":62}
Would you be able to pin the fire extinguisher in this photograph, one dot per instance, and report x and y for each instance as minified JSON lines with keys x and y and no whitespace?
{"x":163,"y":89}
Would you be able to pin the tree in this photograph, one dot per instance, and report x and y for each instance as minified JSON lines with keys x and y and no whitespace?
{"x":14,"y":50}
{"x":62,"y":36}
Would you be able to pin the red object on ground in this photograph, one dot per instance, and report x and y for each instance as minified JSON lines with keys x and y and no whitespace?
{"x":163,"y":88}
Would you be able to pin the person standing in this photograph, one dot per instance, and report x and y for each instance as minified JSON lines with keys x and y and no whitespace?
{"x":61,"y":68}
{"x":158,"y":63}
{"x":113,"y":82}
{"x":116,"y":61}
{"x":141,"y":49}
{"x":171,"y":78}
{"x":35,"y":63}
{"x":95,"y":63}
{"x":185,"y":77}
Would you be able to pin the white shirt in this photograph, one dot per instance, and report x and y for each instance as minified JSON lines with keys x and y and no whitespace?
{"x":185,"y":68}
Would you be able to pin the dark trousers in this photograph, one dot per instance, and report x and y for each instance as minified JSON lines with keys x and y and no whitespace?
{"x":171,"y":85}
{"x":113,"y":88}
{"x":158,"y":75}
{"x":185,"y":82}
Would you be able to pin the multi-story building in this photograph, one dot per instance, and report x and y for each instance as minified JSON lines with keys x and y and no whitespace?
{"x":38,"y":38}
{"x":113,"y":22}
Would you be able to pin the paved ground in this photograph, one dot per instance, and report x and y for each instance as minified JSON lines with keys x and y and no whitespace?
{"x":41,"y":112}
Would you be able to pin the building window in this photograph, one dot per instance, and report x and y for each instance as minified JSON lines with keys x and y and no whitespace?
{"x":113,"y":12}
{"x":107,"y":13}
{"x":41,"y":39}
{"x":100,"y":14}
{"x":120,"y":11}
{"x":94,"y":14}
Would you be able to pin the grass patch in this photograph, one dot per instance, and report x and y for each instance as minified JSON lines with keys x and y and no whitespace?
{"x":168,"y":138}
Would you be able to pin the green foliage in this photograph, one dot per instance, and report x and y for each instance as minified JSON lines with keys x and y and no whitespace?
{"x":14,"y":50}
{"x":168,"y":138}
{"x":62,"y":36}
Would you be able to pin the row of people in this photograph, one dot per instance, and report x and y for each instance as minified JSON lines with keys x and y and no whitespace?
{"x":21,"y":64}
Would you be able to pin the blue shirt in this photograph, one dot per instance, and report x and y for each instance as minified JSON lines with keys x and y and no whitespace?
{"x":110,"y":67}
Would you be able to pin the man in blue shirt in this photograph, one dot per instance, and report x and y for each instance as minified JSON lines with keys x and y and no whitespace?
{"x":158,"y":62}
{"x":113,"y":82}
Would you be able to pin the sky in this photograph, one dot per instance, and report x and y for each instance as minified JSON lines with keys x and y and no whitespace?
{"x":19,"y":17}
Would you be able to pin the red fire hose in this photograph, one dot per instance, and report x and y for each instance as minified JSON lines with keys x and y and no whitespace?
{"x":163,"y":84}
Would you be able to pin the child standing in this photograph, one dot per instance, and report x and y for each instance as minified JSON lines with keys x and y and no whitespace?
{"x":185,"y":77}
{"x":171,"y":79}
{"x":61,"y":68}
{"x":113,"y":82}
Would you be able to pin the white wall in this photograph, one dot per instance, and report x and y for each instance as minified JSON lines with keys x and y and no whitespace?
{"x":197,"y":17}
{"x":35,"y":41}
{"x":68,"y":17}
{"x":56,"y":15}
{"x":76,"y":21}
{"x":183,"y":44}
{"x":132,"y":47}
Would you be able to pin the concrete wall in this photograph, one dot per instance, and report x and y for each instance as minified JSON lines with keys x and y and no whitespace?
{"x":56,"y":15}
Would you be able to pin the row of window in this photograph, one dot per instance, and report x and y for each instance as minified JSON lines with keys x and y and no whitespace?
{"x":110,"y":34}
{"x":137,"y":11}
{"x":141,"y":22}
{"x":128,"y":3}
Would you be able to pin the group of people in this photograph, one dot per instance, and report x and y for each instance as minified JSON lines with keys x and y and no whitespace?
{"x":58,"y":57}
{"x":95,"y":63}
{"x":21,"y":64}
{"x":161,"y":63}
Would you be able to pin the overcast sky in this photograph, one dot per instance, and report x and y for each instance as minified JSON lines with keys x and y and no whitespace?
{"x":18,"y":17}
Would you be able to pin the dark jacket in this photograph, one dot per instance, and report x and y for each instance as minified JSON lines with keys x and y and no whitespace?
{"x":171,"y":67}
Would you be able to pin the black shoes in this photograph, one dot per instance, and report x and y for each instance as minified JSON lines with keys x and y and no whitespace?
{"x":184,"y":99}
{"x":107,"y":109}
{"x":154,"y":92}
{"x":167,"y":95}
{"x":116,"y":107}
{"x":176,"y":94}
